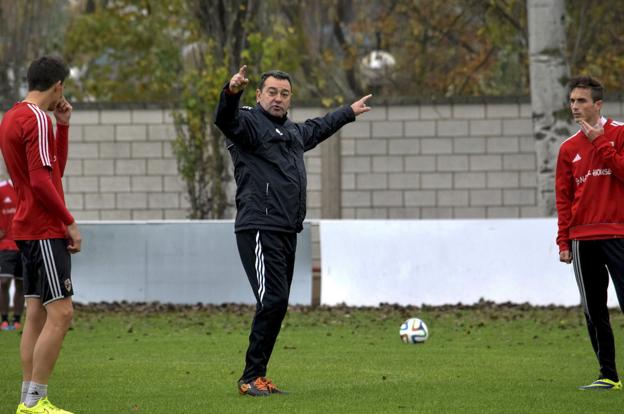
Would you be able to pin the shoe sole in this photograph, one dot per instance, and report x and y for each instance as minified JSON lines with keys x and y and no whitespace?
{"x":599,"y":389}
{"x":241,"y":391}
{"x":253,"y":395}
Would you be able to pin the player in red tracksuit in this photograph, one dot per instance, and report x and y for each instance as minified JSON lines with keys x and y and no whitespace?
{"x":590,"y":198}
{"x":10,"y":261}
{"x":44,"y":230}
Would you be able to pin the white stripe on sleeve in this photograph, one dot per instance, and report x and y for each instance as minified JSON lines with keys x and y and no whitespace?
{"x":42,"y":124}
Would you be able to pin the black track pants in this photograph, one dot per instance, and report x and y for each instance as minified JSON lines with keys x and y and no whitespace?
{"x":593,"y":261}
{"x":269,"y":261}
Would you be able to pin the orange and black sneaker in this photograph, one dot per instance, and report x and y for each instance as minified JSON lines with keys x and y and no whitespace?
{"x":272,"y":387}
{"x":255,"y":388}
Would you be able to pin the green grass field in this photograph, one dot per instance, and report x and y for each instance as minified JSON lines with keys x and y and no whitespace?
{"x":481,"y":359}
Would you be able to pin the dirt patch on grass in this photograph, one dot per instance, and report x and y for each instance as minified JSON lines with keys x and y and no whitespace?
{"x":234,"y":308}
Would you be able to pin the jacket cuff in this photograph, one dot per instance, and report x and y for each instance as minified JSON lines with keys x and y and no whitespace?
{"x":228,"y":92}
{"x":350,"y":113}
{"x":564,"y":245}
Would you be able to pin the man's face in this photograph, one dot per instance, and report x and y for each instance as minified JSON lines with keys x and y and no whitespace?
{"x":583,"y":106}
{"x":57,"y":94}
{"x":275,"y":96}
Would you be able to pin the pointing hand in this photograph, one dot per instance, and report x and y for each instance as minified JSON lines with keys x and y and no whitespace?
{"x":239,"y":80}
{"x":359,"y":107}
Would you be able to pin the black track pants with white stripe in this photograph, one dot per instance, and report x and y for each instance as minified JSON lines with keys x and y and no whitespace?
{"x":593,"y":261}
{"x":269,"y":261}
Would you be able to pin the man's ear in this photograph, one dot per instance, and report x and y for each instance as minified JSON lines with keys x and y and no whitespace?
{"x":258,"y":92}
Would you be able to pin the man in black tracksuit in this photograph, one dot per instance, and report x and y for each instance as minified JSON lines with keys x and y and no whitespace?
{"x":267,"y":151}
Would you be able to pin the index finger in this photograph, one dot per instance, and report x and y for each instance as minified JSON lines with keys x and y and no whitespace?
{"x":366,"y":98}
{"x":243,"y":71}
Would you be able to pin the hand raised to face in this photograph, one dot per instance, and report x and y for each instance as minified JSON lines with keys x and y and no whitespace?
{"x":592,"y":132}
{"x":63,"y":111}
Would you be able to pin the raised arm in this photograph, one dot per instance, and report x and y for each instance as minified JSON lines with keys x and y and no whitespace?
{"x":607,"y":150}
{"x":228,"y":117}
{"x":62,"y":113}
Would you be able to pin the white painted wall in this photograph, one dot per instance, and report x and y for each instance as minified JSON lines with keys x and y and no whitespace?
{"x":415,"y":262}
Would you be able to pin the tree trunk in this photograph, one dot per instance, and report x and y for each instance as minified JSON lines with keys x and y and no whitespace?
{"x":549,"y":76}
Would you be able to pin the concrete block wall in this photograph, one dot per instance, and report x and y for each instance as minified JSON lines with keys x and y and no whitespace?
{"x":440,"y":161}
{"x":121,"y":166}
{"x":446,"y":160}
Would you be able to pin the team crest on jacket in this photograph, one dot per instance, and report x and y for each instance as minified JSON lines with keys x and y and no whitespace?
{"x":68,"y":285}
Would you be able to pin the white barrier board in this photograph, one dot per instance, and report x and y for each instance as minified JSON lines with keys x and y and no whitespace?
{"x":173,"y":262}
{"x":434,"y":262}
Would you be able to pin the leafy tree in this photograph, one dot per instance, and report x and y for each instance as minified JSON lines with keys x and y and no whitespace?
{"x":227,"y":35}
{"x":594,"y":33}
{"x":454,"y":48}
{"x":27,"y":30}
{"x":197,"y":146}
{"x":183,"y":51}
{"x":127,"y":50}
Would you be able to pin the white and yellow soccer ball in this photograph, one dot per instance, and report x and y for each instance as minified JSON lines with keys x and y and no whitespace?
{"x":414,"y":331}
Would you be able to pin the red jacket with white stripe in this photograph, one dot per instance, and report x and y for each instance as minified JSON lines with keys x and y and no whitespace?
{"x":35,"y":158}
{"x":590,"y":186}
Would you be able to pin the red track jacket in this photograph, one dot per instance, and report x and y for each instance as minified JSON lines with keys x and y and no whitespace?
{"x":590,"y":186}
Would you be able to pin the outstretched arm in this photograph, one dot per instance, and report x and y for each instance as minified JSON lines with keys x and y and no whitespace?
{"x":228,"y":117}
{"x":317,"y":130}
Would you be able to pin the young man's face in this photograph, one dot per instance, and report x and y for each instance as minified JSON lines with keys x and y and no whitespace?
{"x":275,"y":96}
{"x":583,"y":106}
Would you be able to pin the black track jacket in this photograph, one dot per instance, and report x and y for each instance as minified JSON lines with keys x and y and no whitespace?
{"x":267,"y":153}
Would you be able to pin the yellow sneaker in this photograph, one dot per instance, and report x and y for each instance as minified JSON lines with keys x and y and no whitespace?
{"x":43,"y":406}
{"x":602,"y":384}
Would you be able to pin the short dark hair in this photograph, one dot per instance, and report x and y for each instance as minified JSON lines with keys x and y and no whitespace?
{"x":45,"y":71}
{"x":277,"y":74}
{"x":587,"y":82}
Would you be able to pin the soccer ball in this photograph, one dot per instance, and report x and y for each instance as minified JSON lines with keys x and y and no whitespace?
{"x":414,"y":331}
